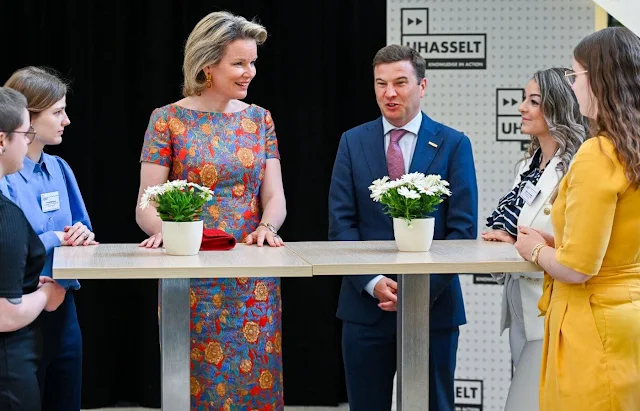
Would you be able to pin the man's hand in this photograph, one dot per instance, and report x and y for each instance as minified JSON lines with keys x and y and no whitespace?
{"x":386,"y":291}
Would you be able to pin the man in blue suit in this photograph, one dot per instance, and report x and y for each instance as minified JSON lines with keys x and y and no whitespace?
{"x":403,"y":136}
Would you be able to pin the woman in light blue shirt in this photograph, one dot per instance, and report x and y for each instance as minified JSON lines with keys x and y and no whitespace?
{"x":47,"y":192}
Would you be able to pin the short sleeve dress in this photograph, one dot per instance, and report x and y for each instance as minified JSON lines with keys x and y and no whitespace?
{"x":236,"y":360}
{"x":591,"y":351}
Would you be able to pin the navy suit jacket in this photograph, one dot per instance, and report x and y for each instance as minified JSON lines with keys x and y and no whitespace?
{"x":354,"y":216}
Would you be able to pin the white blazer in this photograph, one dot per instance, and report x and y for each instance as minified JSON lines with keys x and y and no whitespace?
{"x":538,"y":216}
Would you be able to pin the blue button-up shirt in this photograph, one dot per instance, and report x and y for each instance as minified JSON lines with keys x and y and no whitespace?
{"x":25,"y":188}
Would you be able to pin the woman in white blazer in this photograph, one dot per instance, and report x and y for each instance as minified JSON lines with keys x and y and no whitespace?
{"x":551,"y":116}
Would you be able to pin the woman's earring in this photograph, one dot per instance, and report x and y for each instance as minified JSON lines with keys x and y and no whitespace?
{"x":208,"y":82}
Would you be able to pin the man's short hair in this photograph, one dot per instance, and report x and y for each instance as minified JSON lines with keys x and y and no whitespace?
{"x":396,"y":52}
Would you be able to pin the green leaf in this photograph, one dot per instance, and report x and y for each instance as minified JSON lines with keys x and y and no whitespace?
{"x":180,"y":205}
{"x":398,"y":206}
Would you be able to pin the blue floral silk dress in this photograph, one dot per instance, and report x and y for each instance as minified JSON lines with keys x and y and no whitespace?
{"x":236,"y":360}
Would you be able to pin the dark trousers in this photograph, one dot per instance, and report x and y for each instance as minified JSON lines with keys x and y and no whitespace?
{"x":60,"y":371}
{"x":19,"y":357}
{"x":369,"y":353}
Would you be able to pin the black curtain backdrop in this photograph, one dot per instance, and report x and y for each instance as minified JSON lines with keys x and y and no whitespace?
{"x":124,"y":59}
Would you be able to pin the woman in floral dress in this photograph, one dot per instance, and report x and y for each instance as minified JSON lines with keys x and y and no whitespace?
{"x":212,"y":138}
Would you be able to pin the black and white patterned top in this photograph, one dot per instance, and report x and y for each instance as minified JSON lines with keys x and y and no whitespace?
{"x":505,"y":216}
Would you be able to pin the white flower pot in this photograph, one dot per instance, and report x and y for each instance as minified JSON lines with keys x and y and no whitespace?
{"x":416,"y":236}
{"x":182,"y":238}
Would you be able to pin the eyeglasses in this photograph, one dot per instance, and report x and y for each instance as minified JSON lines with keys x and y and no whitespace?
{"x":571,"y":75}
{"x":29,"y":135}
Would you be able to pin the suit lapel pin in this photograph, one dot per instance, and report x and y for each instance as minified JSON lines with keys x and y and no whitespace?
{"x":432,"y":144}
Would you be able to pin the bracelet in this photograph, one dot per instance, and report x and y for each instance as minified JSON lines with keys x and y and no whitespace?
{"x":269,"y":226}
{"x":535,"y":253}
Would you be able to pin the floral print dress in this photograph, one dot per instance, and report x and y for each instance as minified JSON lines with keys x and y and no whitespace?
{"x":236,"y":360}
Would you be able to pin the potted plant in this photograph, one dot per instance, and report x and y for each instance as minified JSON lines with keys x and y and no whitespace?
{"x":179,"y":205}
{"x":410,"y":200}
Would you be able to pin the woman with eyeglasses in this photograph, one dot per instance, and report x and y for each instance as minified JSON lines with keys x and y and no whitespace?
{"x":591,"y":298}
{"x":47,"y":191}
{"x":23,"y":294}
{"x":551,"y":116}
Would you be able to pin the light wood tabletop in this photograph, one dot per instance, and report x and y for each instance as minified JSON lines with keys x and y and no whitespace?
{"x":121,"y":261}
{"x":296,"y":259}
{"x":383,"y":257}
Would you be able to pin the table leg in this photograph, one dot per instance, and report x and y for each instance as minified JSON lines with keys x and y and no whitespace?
{"x":175,"y":343}
{"x":413,"y":342}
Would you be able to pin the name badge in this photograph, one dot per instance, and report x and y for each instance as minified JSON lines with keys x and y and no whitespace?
{"x":50,"y":201}
{"x":529,"y":192}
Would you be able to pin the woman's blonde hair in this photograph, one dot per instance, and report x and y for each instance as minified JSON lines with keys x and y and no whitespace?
{"x":208,"y":42}
{"x":41,"y":86}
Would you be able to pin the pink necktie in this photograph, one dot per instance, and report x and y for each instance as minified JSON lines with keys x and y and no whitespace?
{"x":395,"y":160}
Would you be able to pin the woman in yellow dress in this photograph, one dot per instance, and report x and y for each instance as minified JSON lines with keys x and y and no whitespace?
{"x":591,"y":299}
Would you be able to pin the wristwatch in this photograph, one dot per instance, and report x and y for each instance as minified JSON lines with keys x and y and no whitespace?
{"x":270,"y":227}
{"x":535,"y":253}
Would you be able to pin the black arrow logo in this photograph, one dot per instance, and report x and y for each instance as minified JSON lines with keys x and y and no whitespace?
{"x":417,"y":21}
{"x":410,"y":22}
{"x":514,"y":102}
{"x":505,"y":102}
